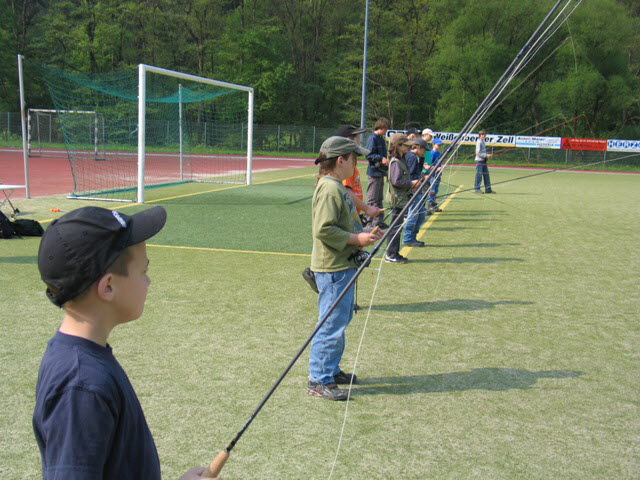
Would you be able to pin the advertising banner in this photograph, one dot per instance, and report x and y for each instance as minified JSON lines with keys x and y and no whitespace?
{"x":584,"y":144}
{"x":492,"y":140}
{"x":623,"y":146}
{"x":538,"y":142}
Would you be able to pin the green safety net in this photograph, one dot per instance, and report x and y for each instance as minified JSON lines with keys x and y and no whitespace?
{"x":194,"y":132}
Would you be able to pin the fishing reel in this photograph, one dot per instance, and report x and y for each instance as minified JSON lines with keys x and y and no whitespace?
{"x":360,"y":257}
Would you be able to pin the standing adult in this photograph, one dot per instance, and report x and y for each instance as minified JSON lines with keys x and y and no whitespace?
{"x":378,"y":168}
{"x":337,"y":236}
{"x":482,"y":171}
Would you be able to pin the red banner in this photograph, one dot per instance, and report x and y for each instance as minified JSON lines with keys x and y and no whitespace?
{"x":584,"y":144}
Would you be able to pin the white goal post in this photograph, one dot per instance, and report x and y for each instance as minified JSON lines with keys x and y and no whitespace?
{"x":142,"y":75}
{"x":36,"y":136}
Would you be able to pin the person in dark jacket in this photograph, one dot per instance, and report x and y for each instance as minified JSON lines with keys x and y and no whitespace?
{"x":378,"y":167}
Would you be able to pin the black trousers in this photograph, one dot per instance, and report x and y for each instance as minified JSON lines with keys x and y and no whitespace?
{"x":393,"y":240}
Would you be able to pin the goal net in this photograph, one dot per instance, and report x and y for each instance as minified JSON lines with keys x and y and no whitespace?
{"x":147,"y":127}
{"x":44,"y":134}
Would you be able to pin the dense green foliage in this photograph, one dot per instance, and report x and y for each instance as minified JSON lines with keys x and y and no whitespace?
{"x":430,"y":61}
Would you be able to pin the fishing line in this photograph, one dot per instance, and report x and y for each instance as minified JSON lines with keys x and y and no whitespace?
{"x":216,"y":465}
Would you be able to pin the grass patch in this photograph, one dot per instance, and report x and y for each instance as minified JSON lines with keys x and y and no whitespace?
{"x":507,"y":348}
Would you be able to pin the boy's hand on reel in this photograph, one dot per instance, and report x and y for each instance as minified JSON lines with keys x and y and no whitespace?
{"x":373,"y":211}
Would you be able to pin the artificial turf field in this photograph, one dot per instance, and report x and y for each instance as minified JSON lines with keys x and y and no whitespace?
{"x":508,"y":348}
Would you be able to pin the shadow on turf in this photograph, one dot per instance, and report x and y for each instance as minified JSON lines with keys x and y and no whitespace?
{"x":467,"y":260}
{"x":491,"y":379}
{"x":21,"y":260}
{"x":475,"y":245}
{"x":457,"y":304}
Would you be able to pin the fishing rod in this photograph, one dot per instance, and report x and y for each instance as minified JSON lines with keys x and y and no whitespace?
{"x":219,"y":461}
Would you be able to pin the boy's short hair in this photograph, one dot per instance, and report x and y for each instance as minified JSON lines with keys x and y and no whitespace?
{"x":82,"y":245}
{"x":381,"y":123}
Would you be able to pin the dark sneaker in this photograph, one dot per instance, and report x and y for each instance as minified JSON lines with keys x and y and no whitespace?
{"x":310,"y":277}
{"x":415,"y":243}
{"x":490,"y":191}
{"x":342,"y":378}
{"x":329,"y":391}
{"x":395,"y":259}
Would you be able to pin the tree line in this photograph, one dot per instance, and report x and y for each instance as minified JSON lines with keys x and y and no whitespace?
{"x":430,"y":62}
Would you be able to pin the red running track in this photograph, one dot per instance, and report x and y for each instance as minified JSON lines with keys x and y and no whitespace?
{"x":51,"y":175}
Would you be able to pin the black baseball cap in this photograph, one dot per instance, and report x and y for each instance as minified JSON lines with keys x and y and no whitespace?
{"x":348,"y":130}
{"x":79,"y":247}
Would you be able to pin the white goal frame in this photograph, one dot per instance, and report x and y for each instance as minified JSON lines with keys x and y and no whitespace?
{"x":30,"y":126}
{"x":142,"y":80}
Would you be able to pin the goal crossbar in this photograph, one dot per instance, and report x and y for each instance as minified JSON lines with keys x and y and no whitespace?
{"x":142,"y":71}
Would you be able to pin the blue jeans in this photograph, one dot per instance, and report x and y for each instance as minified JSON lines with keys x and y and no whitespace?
{"x":415,"y":219}
{"x":435,"y":186}
{"x":482,"y":172}
{"x":327,"y":345}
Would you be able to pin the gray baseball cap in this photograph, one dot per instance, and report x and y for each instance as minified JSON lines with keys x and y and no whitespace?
{"x":337,"y":146}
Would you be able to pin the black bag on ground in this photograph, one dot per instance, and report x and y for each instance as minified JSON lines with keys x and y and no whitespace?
{"x":27,"y":228}
{"x":6,"y":227}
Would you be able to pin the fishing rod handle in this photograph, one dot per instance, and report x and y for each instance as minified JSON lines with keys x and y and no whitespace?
{"x":214,"y":468}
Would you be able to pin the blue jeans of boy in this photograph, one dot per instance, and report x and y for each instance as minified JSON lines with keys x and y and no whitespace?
{"x":415,"y":218}
{"x":482,"y":172}
{"x":327,"y":345}
{"x":435,"y":186}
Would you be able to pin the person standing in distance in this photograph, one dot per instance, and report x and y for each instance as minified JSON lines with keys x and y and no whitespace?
{"x":378,"y":167}
{"x":482,"y":171}
{"x":337,"y":236}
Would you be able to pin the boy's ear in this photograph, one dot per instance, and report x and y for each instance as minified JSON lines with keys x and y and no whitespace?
{"x":105,"y":288}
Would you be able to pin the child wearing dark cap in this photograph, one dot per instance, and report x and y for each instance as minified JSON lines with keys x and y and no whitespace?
{"x":87,"y":420}
{"x":337,"y":236}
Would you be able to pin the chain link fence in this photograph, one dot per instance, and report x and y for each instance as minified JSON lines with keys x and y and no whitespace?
{"x":266,"y":138}
{"x":304,"y":139}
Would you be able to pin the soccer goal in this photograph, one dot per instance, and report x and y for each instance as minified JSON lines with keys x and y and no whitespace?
{"x":44,"y":134}
{"x":128,"y":131}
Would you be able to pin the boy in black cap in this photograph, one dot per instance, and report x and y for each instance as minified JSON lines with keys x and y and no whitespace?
{"x":88,"y":421}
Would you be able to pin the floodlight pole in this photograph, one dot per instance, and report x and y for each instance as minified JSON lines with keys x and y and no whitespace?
{"x":25,"y":155}
{"x":363,"y":107}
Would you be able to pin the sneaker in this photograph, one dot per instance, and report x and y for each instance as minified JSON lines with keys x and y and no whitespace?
{"x":310,"y":277}
{"x":415,"y":243}
{"x":395,"y":259}
{"x":479,"y":191}
{"x":490,"y":191}
{"x":330,"y":391}
{"x":342,"y":378}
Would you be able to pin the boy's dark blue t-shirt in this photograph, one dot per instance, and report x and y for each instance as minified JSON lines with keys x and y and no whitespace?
{"x":88,"y":421}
